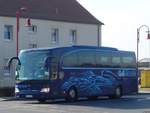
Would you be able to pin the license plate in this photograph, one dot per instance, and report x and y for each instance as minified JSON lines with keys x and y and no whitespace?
{"x":29,"y":96}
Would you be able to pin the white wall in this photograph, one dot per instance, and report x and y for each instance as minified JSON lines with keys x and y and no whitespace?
{"x":86,"y":35}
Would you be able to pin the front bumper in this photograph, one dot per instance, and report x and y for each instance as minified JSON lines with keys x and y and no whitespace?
{"x":32,"y":95}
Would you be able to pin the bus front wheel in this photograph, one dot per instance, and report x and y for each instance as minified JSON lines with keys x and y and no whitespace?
{"x":71,"y":94}
{"x":41,"y":100}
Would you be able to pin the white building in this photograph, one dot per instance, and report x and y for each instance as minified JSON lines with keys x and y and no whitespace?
{"x":54,"y":23}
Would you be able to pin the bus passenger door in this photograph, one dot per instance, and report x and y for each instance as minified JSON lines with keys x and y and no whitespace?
{"x":54,"y":78}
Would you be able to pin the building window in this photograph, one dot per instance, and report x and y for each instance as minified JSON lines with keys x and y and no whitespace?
{"x":8,"y":32}
{"x":55,"y":36}
{"x":32,"y":45}
{"x":73,"y":36}
{"x":32,"y":29}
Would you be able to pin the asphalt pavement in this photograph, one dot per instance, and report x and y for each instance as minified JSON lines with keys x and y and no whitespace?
{"x":127,"y":104}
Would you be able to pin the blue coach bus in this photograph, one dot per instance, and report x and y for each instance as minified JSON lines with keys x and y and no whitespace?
{"x":75,"y":71}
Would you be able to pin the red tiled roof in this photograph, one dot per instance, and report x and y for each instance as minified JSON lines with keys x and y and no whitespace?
{"x":57,"y":10}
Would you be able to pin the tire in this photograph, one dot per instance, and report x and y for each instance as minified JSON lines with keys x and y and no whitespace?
{"x":41,"y":100}
{"x":71,"y":95}
{"x":118,"y":93}
{"x":92,"y":97}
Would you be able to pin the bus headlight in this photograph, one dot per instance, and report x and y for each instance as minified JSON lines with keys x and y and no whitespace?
{"x":16,"y":90}
{"x":45,"y":90}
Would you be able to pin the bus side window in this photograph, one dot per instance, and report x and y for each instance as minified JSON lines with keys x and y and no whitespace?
{"x":128,"y":61}
{"x":103,"y":59}
{"x":116,"y":61}
{"x":86,"y":58}
{"x":70,"y":60}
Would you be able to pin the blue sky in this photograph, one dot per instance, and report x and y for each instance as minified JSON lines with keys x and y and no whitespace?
{"x":121,"y":19}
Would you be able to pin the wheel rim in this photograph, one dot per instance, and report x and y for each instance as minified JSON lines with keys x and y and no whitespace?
{"x":118,"y":92}
{"x":72,"y":93}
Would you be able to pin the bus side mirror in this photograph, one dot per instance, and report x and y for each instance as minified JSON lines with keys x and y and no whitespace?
{"x":10,"y":62}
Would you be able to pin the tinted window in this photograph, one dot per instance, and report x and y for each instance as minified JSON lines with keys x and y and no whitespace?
{"x":70,"y":60}
{"x":116,"y":61}
{"x":86,"y":58}
{"x":103,"y":59}
{"x":82,"y":58}
{"x":128,"y":61}
{"x":92,"y":58}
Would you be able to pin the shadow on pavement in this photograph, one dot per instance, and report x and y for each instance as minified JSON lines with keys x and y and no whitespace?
{"x":141,"y":101}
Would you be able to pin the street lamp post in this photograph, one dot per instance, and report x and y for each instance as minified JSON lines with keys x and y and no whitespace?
{"x":18,"y":13}
{"x":17,"y":31}
{"x":138,"y":38}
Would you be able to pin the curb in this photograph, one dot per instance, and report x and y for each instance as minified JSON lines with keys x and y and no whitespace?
{"x":7,"y":98}
{"x":144,"y":89}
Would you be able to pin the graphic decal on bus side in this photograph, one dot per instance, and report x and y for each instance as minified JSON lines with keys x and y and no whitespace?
{"x":90,"y":83}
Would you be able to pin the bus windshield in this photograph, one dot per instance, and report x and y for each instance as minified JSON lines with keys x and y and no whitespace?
{"x":34,"y":66}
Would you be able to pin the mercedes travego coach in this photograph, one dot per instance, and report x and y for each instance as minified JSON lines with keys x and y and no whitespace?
{"x":75,"y":71}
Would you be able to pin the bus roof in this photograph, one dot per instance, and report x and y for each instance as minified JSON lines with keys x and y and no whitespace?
{"x":94,"y":47}
{"x":62,"y":50}
{"x":71,"y":48}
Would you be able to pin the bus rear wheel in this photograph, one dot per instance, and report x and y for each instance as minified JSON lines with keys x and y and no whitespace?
{"x":71,"y":95}
{"x":92,"y":97}
{"x":118,"y":93}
